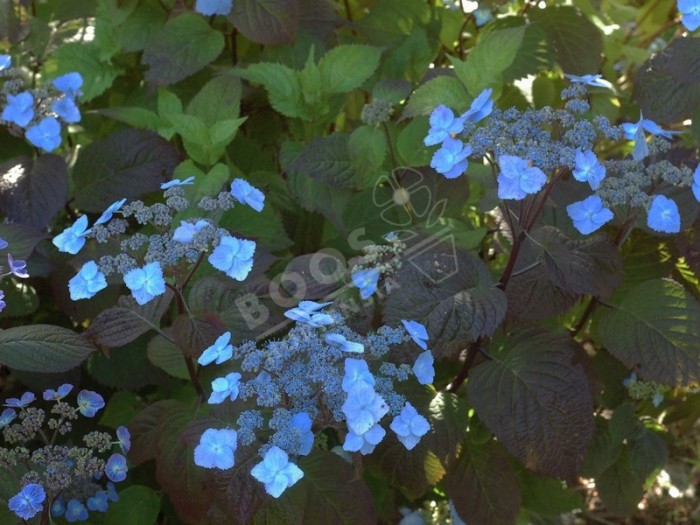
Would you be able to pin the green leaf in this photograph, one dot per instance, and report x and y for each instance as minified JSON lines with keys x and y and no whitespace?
{"x":43,"y":348}
{"x":477,"y":483}
{"x":126,"y":368}
{"x":410,"y":147}
{"x":167,"y":356}
{"x":367,"y":147}
{"x":346,"y":67}
{"x":21,"y":239}
{"x":266,"y":226}
{"x":489,"y":59}
{"x":147,"y":20}
{"x":127,"y":163}
{"x":137,"y":505}
{"x":226,"y":91}
{"x":444,"y":89}
{"x":185,"y":45}
{"x":577,"y":42}
{"x":33,"y":191}
{"x":327,"y":160}
{"x":533,"y":56}
{"x":536,"y":402}
{"x":449,"y":423}
{"x":133,"y":116}
{"x":85,"y":58}
{"x":21,"y":298}
{"x":121,"y":408}
{"x":392,"y":90}
{"x":659,"y":338}
{"x":268,"y":22}
{"x":116,"y":327}
{"x":458,"y":300}
{"x":547,"y":496}
{"x":282,"y":85}
{"x":193,"y":334}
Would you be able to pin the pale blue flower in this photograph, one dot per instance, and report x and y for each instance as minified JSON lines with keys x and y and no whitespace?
{"x":410,"y":426}
{"x":696,"y":183}
{"x":17,"y":268}
{"x":443,"y":125}
{"x":19,"y":109}
{"x":116,"y":468}
{"x":7,"y":416}
{"x":124,"y":438}
{"x":588,"y":168}
{"x":589,"y":80}
{"x":26,"y":399}
{"x":27,"y":503}
{"x":5,"y":62}
{"x":224,"y":387}
{"x":589,"y":214}
{"x":690,"y":9}
{"x":111,"y":210}
{"x":186,"y":232}
{"x":234,"y":257}
{"x":424,"y":369}
{"x":364,"y":443}
{"x":366,"y":280}
{"x":663,"y":215}
{"x":89,"y":403}
{"x":88,"y":281}
{"x":244,"y":193}
{"x":481,"y":107}
{"x":60,"y":393}
{"x":517,"y":178}
{"x":451,"y":159}
{"x":72,"y":239}
{"x":302,"y":422}
{"x":363,"y":408}
{"x":145,"y":283}
{"x":177,"y":182}
{"x":66,"y":108}
{"x":307,"y":312}
{"x":69,"y":84}
{"x":482,"y":16}
{"x":213,"y":7}
{"x":276,"y":472}
{"x":98,"y":502}
{"x":216,"y":449}
{"x":345,"y":345}
{"x":635,"y":131}
{"x":356,"y":374}
{"x":417,"y":332}
{"x":219,"y":352}
{"x":46,"y":134}
{"x":76,"y":511}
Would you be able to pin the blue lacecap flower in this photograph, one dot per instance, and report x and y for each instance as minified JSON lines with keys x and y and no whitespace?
{"x":663,"y":215}
{"x":276,"y":472}
{"x":88,"y":281}
{"x":518,"y":178}
{"x":89,"y":403}
{"x":213,"y":7}
{"x":690,"y":9}
{"x":216,"y":449}
{"x":366,"y":280}
{"x":28,"y":502}
{"x":145,"y":283}
{"x":589,"y":214}
{"x":417,"y":332}
{"x":72,"y":239}
{"x":46,"y":134}
{"x":243,"y":192}
{"x":19,"y":109}
{"x":443,"y":124}
{"x":451,"y":159}
{"x":234,"y":257}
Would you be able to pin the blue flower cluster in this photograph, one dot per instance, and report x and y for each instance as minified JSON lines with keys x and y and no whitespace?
{"x":38,"y":115}
{"x":527,"y":155}
{"x":189,"y":241}
{"x":65,"y":479}
{"x":321,"y":369}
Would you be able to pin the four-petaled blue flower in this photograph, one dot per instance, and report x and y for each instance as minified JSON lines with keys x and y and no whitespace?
{"x":88,"y":281}
{"x":410,"y":426}
{"x":589,"y":214}
{"x":213,"y":7}
{"x":482,"y":16}
{"x":234,"y":257}
{"x":696,"y":183}
{"x":244,"y":193}
{"x":220,"y":351}
{"x":364,"y":443}
{"x":25,"y":400}
{"x":60,"y":393}
{"x":111,"y":209}
{"x":72,"y":239}
{"x":116,"y":468}
{"x":363,"y":408}
{"x":451,"y":159}
{"x":145,"y":283}
{"x":98,"y":502}
{"x":443,"y":124}
{"x":186,"y":231}
{"x":46,"y":134}
{"x":5,"y":62}
{"x":276,"y":472}
{"x":27,"y":503}
{"x":8,"y":415}
{"x":89,"y":402}
{"x":663,"y":215}
{"x":345,"y":345}
{"x":366,"y":280}
{"x":216,"y":449}
{"x":690,"y":9}
{"x":58,"y":508}
{"x":635,"y":131}
{"x":224,"y":387}
{"x":589,"y":80}
{"x":518,"y":179}
{"x":17,"y":268}
{"x":424,"y":369}
{"x":19,"y":109}
{"x":69,"y":84}
{"x":124,"y":437}
{"x":481,"y":107}
{"x":307,"y":312}
{"x":66,"y":108}
{"x":356,"y":375}
{"x":417,"y":332}
{"x":588,"y":168}
{"x":75,"y":511}
{"x":177,"y":182}
{"x":301,"y":421}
